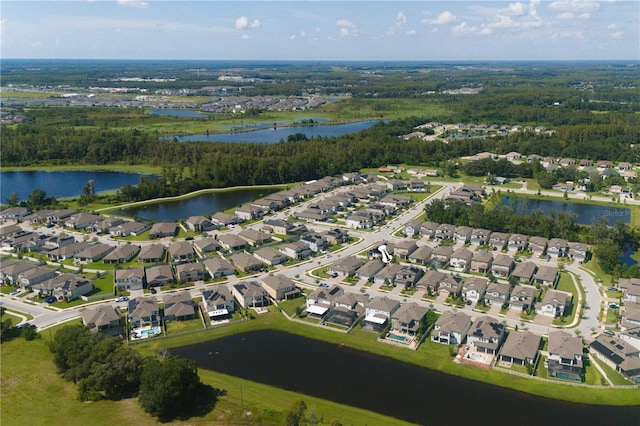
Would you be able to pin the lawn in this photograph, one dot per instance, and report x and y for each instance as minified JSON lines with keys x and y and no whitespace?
{"x":289,"y":306}
{"x":616,"y":378}
{"x":175,"y":327}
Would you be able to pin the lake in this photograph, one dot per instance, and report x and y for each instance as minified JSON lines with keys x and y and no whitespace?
{"x":198,"y":205}
{"x":275,"y":135}
{"x":383,"y":385}
{"x":61,"y":184}
{"x":172,"y":112}
{"x":587,"y":213}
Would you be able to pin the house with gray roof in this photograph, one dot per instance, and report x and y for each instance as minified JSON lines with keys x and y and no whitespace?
{"x":421,"y":255}
{"x":441,"y":255}
{"x":524,"y":272}
{"x":82,"y":220}
{"x":205,"y":246}
{"x":430,"y":281}
{"x":162,"y":229}
{"x":428,"y":229}
{"x":486,"y":335}
{"x":537,"y":245}
{"x":631,"y":289}
{"x":68,"y":251}
{"x":270,"y":256}
{"x":498,"y":240}
{"x":189,"y":272}
{"x":295,"y":250}
{"x":102,"y":319}
{"x":199,"y":224}
{"x":388,"y":274}
{"x":412,"y":228}
{"x":322,"y":299}
{"x":521,"y":347}
{"x":346,"y":267}
{"x":122,"y":254}
{"x":249,"y":212}
{"x":32,"y":276}
{"x":159,"y":275}
{"x":444,"y":231}
{"x":129,"y":228}
{"x":218,"y":266}
{"x":223,"y":219}
{"x":151,"y":253}
{"x":474,"y":288}
{"x":462,"y":234}
{"x":558,"y":247}
{"x":181,"y":251}
{"x":407,"y":276}
{"x":404,"y":248}
{"x":497,"y":294}
{"x":250,"y":294}
{"x":246,"y":262}
{"x":546,"y":275}
{"x":279,"y":287}
{"x":130,"y":279}
{"x":517,"y":242}
{"x":579,"y":252}
{"x":479,"y":237}
{"x":481,"y":261}
{"x":72,"y":287}
{"x":451,"y":328}
{"x":92,"y":254}
{"x":408,"y":318}
{"x":232,"y":242}
{"x":565,"y":356}
{"x":253,"y":237}
{"x":378,"y":311}
{"x":316,"y":242}
{"x":10,"y":269}
{"x":144,"y":311}
{"x":218,"y":302}
{"x":522,"y":297}
{"x":554,"y":304}
{"x":460,"y":259}
{"x":451,"y":285}
{"x":179,"y":306}
{"x":619,"y":355}
{"x":370,"y":270}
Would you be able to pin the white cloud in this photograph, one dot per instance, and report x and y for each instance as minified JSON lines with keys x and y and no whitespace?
{"x":612,"y":26}
{"x":303,"y":34}
{"x":243,"y":23}
{"x":617,"y":35}
{"x":584,"y":16}
{"x":575,"y":6}
{"x":519,"y":16}
{"x":445,"y":17}
{"x":565,"y":16}
{"x":245,"y":37}
{"x":346,"y":27}
{"x":412,"y":32}
{"x":401,"y":19}
{"x":134,"y":3}
{"x":462,"y":28}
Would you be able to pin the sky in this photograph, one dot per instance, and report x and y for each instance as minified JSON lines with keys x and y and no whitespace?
{"x":321,"y":30}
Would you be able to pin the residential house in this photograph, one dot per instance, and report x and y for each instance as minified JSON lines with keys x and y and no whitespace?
{"x":249,"y":212}
{"x":223,"y":219}
{"x":451,"y":328}
{"x":450,"y":285}
{"x":408,"y":318}
{"x":497,"y":294}
{"x":481,"y":262}
{"x":254,"y":238}
{"x":199,"y":224}
{"x":73,"y":287}
{"x":179,"y":306}
{"x":246,"y":262}
{"x":631,"y":288}
{"x":92,"y":254}
{"x":315,"y":242}
{"x":524,"y":272}
{"x":189,"y":272}
{"x":479,"y":237}
{"x":32,"y":276}
{"x":579,"y":252}
{"x":553,"y":304}
{"x":218,"y":266}
{"x":444,"y":232}
{"x":404,"y":248}
{"x":60,"y":216}
{"x":630,"y":333}
{"x":624,"y":165}
{"x":265,"y":204}
{"x":546,"y":275}
{"x":431,"y":281}
{"x":295,"y":250}
{"x":370,"y":270}
{"x":151,"y":253}
{"x":162,"y":229}
{"x":407,"y":276}
{"x":558,"y":247}
{"x":474,"y":288}
{"x":441,"y":255}
{"x":82,"y":220}
{"x":567,"y":162}
{"x":102,"y":319}
{"x":279,"y":287}
{"x":270,"y":256}
{"x":517,"y":242}
{"x":282,"y":227}
{"x":11,"y":269}
{"x":486,"y":335}
{"x":460,"y":259}
{"x":122,"y":254}
{"x":68,"y":251}
{"x":218,"y":302}
{"x":14,"y":213}
{"x":428,"y":229}
{"x":565,"y":356}
{"x":125,"y":229}
{"x":323,"y":296}
{"x":346,"y":267}
{"x":378,"y":311}
{"x":537,"y":245}
{"x":619,"y":355}
{"x":421,"y":255}
{"x":144,"y":311}
{"x":181,"y":251}
{"x":502,"y":266}
{"x":159,"y":275}
{"x":498,"y":240}
{"x":130,"y":279}
{"x":521,"y":347}
{"x":250,"y":294}
{"x":412,"y":228}
{"x":232,"y":242}
{"x":359,"y":220}
{"x":522,"y":297}
{"x":205,"y":246}
{"x":462,"y":234}
{"x":395,"y":200}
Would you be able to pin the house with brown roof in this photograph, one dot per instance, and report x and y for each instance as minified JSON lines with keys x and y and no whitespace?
{"x":444,"y":231}
{"x":250,"y":294}
{"x":486,"y":335}
{"x":162,"y":229}
{"x":232,"y":242}
{"x":279,"y":287}
{"x":451,"y":328}
{"x":517,"y":242}
{"x":521,"y":347}
{"x":404,"y":248}
{"x":522,"y":297}
{"x":408,"y":318}
{"x":144,"y":311}
{"x":502,"y":266}
{"x":460,"y":259}
{"x":537,"y":245}
{"x":159,"y":275}
{"x":558,"y":247}
{"x":102,"y":319}
{"x":430,"y":281}
{"x":441,"y":255}
{"x":270,"y":256}
{"x":421,"y":255}
{"x":553,"y":304}
{"x":546,"y":275}
{"x":251,"y":212}
{"x":498,"y":240}
{"x":565,"y":356}
{"x":450,"y":285}
{"x":224,"y":219}
{"x":130,"y":278}
{"x":254,"y":238}
{"x":122,"y":254}
{"x":378,"y":311}
{"x":218,"y":302}
{"x":479,"y":237}
{"x":189,"y":272}
{"x":346,"y":267}
{"x":428,"y":229}
{"x":474,"y":288}
{"x":524,"y":272}
{"x":462,"y":234}
{"x":151,"y":253}
{"x":497,"y":294}
{"x":619,"y":355}
{"x":481,"y":262}
{"x":218,"y":266}
{"x":199,"y":224}
{"x":295,"y":250}
{"x":206,"y":246}
{"x":579,"y":252}
{"x":246,"y":262}
{"x":181,"y":251}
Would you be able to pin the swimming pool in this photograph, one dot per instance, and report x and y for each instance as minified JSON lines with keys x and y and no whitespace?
{"x":145,"y":332}
{"x":397,"y":338}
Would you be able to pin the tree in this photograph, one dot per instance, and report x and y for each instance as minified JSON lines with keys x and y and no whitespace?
{"x":295,"y":415}
{"x":13,"y":199}
{"x":119,"y":375}
{"x":168,"y":388}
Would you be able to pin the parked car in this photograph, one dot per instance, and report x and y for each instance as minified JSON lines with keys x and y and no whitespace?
{"x":153,"y":290}
{"x":613,"y":306}
{"x":609,"y":333}
{"x":50,"y":299}
{"x":612,"y":289}
{"x":122,"y":299}
{"x":14,"y":292}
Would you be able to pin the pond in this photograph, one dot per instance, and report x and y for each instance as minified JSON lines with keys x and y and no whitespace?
{"x":198,"y":205}
{"x":275,"y":135}
{"x":587,"y":213}
{"x":61,"y":184}
{"x":172,"y":112}
{"x":386,"y":386}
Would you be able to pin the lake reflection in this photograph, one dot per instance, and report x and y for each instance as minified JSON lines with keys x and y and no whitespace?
{"x":386,"y":386}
